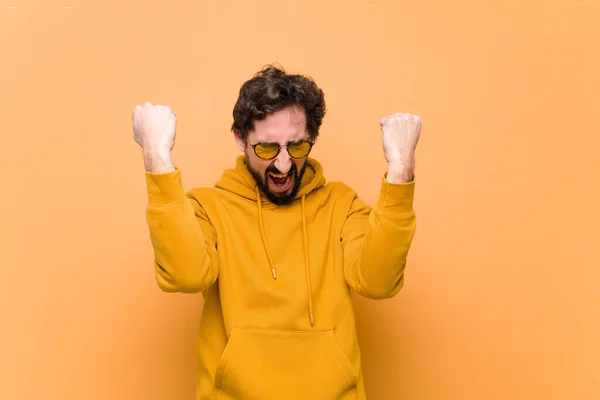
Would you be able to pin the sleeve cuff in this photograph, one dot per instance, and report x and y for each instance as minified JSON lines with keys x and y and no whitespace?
{"x":165,"y":189}
{"x":396,"y":198}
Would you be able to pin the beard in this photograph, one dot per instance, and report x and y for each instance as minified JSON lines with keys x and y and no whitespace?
{"x":263,"y":183}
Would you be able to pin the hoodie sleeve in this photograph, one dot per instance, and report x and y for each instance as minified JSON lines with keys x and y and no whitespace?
{"x":376,"y":241}
{"x":183,"y":239}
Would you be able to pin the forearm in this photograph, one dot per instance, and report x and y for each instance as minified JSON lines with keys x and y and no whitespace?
{"x":181,"y":258}
{"x":382,"y":260}
{"x":184,"y":261}
{"x":377,"y":241}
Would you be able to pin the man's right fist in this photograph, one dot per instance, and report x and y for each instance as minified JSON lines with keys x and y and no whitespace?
{"x":154,"y":127}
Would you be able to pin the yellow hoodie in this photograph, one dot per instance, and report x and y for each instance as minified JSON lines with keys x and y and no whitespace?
{"x":278,"y":322}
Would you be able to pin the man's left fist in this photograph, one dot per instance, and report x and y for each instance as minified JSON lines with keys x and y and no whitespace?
{"x":401,"y":133}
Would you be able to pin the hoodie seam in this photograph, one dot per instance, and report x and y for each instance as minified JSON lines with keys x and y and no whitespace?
{"x":393,"y":214}
{"x":167,"y":206}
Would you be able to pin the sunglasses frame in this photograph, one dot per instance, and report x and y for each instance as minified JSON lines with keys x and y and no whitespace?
{"x":286,"y":148}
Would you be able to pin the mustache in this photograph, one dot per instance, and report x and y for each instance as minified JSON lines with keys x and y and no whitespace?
{"x":274,"y":170}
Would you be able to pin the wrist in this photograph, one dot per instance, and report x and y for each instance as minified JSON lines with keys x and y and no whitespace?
{"x":158,"y":161}
{"x":400,"y":173}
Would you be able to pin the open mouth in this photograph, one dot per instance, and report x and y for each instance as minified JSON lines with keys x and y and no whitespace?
{"x":280,"y":182}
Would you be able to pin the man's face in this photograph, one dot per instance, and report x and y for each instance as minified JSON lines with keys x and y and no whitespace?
{"x":278,"y":178}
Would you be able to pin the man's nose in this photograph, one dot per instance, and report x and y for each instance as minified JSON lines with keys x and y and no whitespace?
{"x":283,"y":162}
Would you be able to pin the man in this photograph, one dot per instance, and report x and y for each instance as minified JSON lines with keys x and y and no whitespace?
{"x":274,"y":250}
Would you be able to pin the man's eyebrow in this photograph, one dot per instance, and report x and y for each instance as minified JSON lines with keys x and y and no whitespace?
{"x":291,"y":141}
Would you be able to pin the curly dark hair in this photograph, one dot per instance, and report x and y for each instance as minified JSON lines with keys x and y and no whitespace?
{"x":271,"y":90}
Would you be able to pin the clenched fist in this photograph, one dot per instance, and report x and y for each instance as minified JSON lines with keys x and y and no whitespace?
{"x":154,"y":128}
{"x":401,"y":132}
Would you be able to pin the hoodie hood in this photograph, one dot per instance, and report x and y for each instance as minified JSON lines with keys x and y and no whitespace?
{"x":240,"y":181}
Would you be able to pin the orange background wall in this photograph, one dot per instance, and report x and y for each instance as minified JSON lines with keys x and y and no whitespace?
{"x":501,"y":296}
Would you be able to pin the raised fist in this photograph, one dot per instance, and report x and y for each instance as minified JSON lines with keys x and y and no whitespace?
{"x":401,"y":132}
{"x":154,"y":127}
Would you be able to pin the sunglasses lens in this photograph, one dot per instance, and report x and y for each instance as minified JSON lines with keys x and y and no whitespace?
{"x":299,"y":149}
{"x":266,"y":150}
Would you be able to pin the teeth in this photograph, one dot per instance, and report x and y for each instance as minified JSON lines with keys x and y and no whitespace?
{"x":278,"y":175}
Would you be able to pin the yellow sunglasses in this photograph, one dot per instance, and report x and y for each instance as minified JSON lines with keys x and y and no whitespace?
{"x":270,"y":150}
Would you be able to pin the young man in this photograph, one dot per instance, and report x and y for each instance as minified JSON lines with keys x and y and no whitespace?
{"x":274,"y":250}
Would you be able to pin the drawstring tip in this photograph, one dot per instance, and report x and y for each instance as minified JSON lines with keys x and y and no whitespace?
{"x":274,"y":273}
{"x":312,"y":319}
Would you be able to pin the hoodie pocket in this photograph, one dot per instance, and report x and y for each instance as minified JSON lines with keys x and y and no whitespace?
{"x":270,"y":364}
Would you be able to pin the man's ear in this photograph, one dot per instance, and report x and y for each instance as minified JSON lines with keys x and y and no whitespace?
{"x":241,"y":143}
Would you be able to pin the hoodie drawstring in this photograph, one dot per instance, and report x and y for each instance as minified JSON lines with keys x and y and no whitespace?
{"x":262,"y":234}
{"x":307,"y":263}
{"x":306,"y":256}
